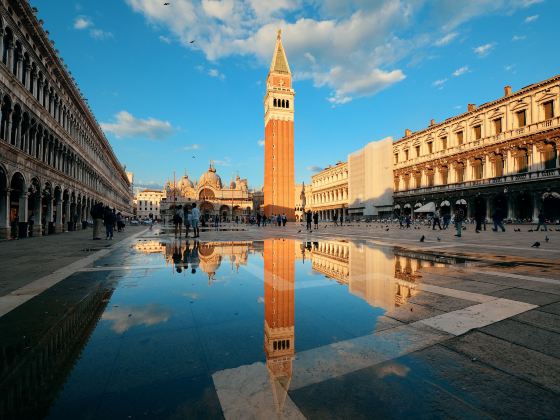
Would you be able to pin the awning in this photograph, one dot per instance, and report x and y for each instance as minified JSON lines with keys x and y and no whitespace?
{"x":550,"y":194}
{"x":417,"y":205}
{"x":426,"y":208}
{"x":445,"y":203}
{"x":461,"y":201}
{"x":397,"y":206}
{"x":407,"y":206}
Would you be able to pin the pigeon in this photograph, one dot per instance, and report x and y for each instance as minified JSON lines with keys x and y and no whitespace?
{"x":530,"y":230}
{"x":536,"y":245}
{"x":546,"y":238}
{"x":166,"y":4}
{"x":299,"y":231}
{"x":387,"y":230}
{"x":439,"y":239}
{"x":422,"y":238}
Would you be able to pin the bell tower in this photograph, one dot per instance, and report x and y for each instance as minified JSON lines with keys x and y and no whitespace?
{"x":279,"y":136}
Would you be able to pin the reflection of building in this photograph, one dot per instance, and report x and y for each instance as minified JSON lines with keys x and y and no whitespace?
{"x":211,"y":196}
{"x":329,"y":190}
{"x":149,"y":202}
{"x":279,"y":336}
{"x":55,"y":161}
{"x":279,"y":137}
{"x":506,"y":150}
{"x":370,"y":186}
{"x":302,"y":198}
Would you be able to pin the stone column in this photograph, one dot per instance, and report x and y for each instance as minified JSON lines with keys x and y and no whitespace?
{"x":510,"y":168}
{"x":22,"y":211}
{"x":19,"y":66}
{"x":537,"y":203}
{"x":27,"y":70}
{"x":68,"y":218}
{"x":1,"y":44}
{"x":10,"y":63}
{"x":487,"y":173}
{"x":37,"y":216}
{"x":8,"y":128}
{"x":510,"y":208}
{"x":5,"y":214}
{"x":58,"y":224}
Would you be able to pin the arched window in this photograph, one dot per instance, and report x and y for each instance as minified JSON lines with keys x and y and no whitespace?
{"x":275,"y":102}
{"x":287,"y":103}
{"x":550,"y":155}
{"x":283,"y":103}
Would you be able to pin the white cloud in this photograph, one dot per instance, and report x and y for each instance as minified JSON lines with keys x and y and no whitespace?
{"x":216,"y":73}
{"x":314,"y":168}
{"x":530,"y":19}
{"x":352,"y":48}
{"x":483,"y":50}
{"x":82,"y":22}
{"x":126,"y":317}
{"x":165,"y":39}
{"x":127,"y":125}
{"x":222,"y":162}
{"x":527,"y":3}
{"x":510,"y":67}
{"x":261,"y":143}
{"x":446,"y":39}
{"x":100,"y":34}
{"x":193,"y":146}
{"x":439,"y":83}
{"x":460,"y":71}
{"x":518,"y":37}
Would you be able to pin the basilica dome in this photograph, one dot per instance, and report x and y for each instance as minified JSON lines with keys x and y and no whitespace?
{"x":185,"y":182}
{"x":210,"y":178}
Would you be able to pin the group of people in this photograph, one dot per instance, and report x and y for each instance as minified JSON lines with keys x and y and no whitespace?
{"x":311,"y":217}
{"x":189,"y":216}
{"x":104,"y":215}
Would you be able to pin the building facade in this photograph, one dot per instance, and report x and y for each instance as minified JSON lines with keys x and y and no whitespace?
{"x":148,"y":202}
{"x":505,"y":152}
{"x":303,"y":200}
{"x":210,"y":195}
{"x":329,"y":192}
{"x":370,"y":192}
{"x":55,"y":162}
{"x":279,"y":180}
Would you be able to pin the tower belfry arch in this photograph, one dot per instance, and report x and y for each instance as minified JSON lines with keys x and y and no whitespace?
{"x":279,"y":136}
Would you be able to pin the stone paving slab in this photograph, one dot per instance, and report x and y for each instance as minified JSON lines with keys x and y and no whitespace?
{"x":553,"y":308}
{"x":524,"y":295}
{"x":525,"y":335}
{"x":540,"y":319}
{"x":511,"y":358}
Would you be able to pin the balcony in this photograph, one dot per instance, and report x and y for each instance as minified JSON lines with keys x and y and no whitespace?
{"x":480,"y":183}
{"x":486,"y":141}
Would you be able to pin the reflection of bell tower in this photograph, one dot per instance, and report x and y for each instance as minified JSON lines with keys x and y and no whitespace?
{"x":279,"y":195}
{"x":279,"y":338}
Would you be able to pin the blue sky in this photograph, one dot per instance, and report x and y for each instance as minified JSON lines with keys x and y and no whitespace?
{"x":363,"y":70}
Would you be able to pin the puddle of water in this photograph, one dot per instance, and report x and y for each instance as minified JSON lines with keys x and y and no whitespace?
{"x":194,"y":310}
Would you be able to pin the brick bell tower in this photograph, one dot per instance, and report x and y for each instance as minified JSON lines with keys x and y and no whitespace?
{"x":279,"y":137}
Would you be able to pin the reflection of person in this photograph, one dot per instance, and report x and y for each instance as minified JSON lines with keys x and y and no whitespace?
{"x":194,"y":257}
{"x":177,"y":257}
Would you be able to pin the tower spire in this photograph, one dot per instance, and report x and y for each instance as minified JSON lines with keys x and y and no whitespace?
{"x":279,"y":60}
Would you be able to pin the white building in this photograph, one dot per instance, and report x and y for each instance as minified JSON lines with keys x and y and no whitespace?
{"x":149,"y":202}
{"x":370,"y":180}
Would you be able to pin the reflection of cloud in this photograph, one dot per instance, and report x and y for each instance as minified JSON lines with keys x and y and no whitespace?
{"x":393,"y":369}
{"x":191,"y":295}
{"x":130,"y":316}
{"x":260,"y":299}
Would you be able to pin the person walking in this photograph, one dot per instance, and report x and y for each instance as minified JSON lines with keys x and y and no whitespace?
{"x":259,"y":218}
{"x":446,"y":220}
{"x":436,"y":220}
{"x":308,"y":219}
{"x":316,"y":220}
{"x":284,"y":219}
{"x":407,"y":221}
{"x":497,"y":218}
{"x":188,"y":219}
{"x":479,"y":212}
{"x":109,"y":220}
{"x":195,"y":217}
{"x":459,"y":219}
{"x":542,"y":221}
{"x":335,"y":218}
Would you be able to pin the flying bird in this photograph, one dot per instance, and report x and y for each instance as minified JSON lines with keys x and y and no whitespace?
{"x":166,"y":4}
{"x":192,"y":42}
{"x":536,"y":245}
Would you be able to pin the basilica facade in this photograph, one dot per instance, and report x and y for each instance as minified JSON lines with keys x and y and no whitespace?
{"x":212,"y":197}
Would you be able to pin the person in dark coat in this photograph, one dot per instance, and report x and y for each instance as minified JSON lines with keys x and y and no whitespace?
{"x":308,"y":219}
{"x":316,"y":220}
{"x":479,"y":212}
{"x":109,"y":218}
{"x":542,"y":221}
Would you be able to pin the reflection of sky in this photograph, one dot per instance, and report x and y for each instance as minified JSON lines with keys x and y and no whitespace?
{"x":126,"y":317}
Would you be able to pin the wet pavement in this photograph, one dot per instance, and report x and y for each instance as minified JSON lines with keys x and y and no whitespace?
{"x":286,"y":328}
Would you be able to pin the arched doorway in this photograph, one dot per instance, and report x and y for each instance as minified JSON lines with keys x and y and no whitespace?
{"x":551,"y":206}
{"x":206,"y":210}
{"x":523,"y":207}
{"x":18,"y":206}
{"x":224,"y":213}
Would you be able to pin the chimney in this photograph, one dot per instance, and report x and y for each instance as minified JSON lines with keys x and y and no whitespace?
{"x":432,"y":122}
{"x":407,"y":132}
{"x":471,"y":107}
{"x":507,"y":90}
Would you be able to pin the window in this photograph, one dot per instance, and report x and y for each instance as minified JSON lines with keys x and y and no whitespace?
{"x":497,"y":125}
{"x":443,"y":143}
{"x":522,"y":160}
{"x":459,"y":138}
{"x":499,"y":166}
{"x":477,"y":169}
{"x":417,"y":151}
{"x":430,"y":178}
{"x":396,"y":158}
{"x":406,"y":154}
{"x":549,"y":155}
{"x":444,"y":177}
{"x":430,"y":147}
{"x":477,"y":132}
{"x":460,"y":172}
{"x":417,"y":180}
{"x":521,"y":118}
{"x":548,"y":110}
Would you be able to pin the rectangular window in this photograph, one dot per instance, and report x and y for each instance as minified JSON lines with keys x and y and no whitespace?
{"x":497,"y":125}
{"x":406,"y":154}
{"x":459,"y":138}
{"x":443,"y":143}
{"x":477,"y":132}
{"x":521,"y":118}
{"x":417,"y":151}
{"x":548,"y":110}
{"x":430,"y":147}
{"x":396,"y":158}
